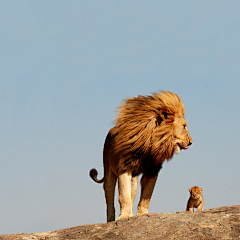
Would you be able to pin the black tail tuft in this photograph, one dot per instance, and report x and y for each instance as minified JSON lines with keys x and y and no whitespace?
{"x":93,"y":174}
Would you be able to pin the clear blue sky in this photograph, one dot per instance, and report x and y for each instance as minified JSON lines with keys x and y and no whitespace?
{"x":64,"y":68}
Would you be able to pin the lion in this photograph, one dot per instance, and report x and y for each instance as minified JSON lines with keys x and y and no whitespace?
{"x":195,"y":200}
{"x":148,"y":130}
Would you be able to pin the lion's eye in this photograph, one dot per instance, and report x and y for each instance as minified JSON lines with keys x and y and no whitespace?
{"x":184,"y":126}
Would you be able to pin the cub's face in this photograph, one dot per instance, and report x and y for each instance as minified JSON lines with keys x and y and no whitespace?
{"x":182,"y":139}
{"x":195,"y":192}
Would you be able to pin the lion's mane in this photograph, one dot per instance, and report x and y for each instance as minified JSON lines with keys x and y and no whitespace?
{"x":144,"y":131}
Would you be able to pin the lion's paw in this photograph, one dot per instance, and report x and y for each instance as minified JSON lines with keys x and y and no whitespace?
{"x":121,"y":216}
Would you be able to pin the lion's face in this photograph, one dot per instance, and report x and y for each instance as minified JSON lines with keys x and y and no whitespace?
{"x":195,"y":192}
{"x":182,"y":139}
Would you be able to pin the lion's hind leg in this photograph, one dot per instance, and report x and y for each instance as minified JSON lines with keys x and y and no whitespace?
{"x":109,"y":189}
{"x":147,"y":186}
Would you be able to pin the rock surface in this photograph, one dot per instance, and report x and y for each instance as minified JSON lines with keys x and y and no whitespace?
{"x":217,"y":223}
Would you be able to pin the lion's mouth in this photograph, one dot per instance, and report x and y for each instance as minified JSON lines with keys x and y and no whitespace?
{"x":184,"y":148}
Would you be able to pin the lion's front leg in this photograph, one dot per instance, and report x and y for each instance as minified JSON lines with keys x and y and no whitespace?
{"x":134,"y":183}
{"x":124,"y":187}
{"x":200,"y":207}
{"x":147,"y":187}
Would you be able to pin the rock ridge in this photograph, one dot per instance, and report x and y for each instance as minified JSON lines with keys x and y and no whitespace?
{"x":216,"y":223}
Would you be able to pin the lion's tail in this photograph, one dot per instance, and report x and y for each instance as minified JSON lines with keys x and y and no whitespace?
{"x":93,"y":175}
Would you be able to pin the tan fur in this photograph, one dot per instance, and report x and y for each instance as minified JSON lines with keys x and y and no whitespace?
{"x":148,"y":130}
{"x":195,"y":200}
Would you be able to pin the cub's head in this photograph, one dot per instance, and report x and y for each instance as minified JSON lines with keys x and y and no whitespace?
{"x":195,"y":192}
{"x":182,"y":139}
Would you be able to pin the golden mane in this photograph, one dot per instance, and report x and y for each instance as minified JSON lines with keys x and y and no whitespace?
{"x":145,"y":127}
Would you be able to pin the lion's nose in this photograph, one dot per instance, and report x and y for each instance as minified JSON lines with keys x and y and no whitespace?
{"x":190,"y":143}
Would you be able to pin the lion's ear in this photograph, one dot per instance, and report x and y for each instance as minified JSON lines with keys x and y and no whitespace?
{"x":162,"y":116}
{"x":166,"y":116}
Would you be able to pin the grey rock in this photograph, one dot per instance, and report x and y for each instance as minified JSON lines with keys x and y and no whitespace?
{"x":217,"y":223}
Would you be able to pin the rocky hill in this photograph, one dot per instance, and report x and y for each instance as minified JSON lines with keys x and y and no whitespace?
{"x":217,"y":223}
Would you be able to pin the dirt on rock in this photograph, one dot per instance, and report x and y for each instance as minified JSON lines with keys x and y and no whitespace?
{"x":217,"y":223}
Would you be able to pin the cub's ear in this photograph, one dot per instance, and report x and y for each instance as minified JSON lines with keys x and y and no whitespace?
{"x":201,"y":189}
{"x":190,"y":190}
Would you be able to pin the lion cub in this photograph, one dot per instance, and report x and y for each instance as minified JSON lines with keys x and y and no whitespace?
{"x":195,"y":200}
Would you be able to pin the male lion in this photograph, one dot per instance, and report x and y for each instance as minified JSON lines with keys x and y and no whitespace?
{"x":148,"y":131}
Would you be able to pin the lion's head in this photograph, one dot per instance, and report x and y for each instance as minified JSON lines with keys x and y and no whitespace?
{"x":195,"y":192}
{"x":151,"y":126}
{"x":182,"y":139}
